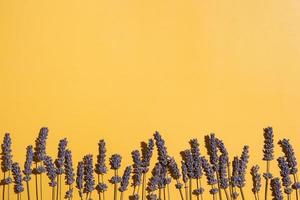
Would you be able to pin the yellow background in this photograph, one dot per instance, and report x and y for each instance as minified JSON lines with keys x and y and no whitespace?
{"x":121,"y":69}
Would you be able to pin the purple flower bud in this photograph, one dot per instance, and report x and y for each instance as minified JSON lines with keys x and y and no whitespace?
{"x":224,"y":182}
{"x":184,"y":171}
{"x":268,"y":144}
{"x":115,"y":161}
{"x":276,"y":189}
{"x":137,"y":168}
{"x":155,"y":179}
{"x":212,"y":151}
{"x":289,"y":154}
{"x":256,"y":179}
{"x":6,"y":155}
{"x":79,"y":175}
{"x":125,"y":179}
{"x":101,"y":187}
{"x":161,"y":149}
{"x":51,"y":172}
{"x":284,"y":171}
{"x":40,"y":145}
{"x":187,"y":157}
{"x":147,"y":152}
{"x":89,"y":181}
{"x":243,"y":166}
{"x":214,"y":191}
{"x":28,"y":163}
{"x":69,"y":194}
{"x":59,"y":162}
{"x":209,"y":171}
{"x":134,"y":197}
{"x":173,"y":169}
{"x":100,"y":167}
{"x":151,"y":197}
{"x":69,"y":171}
{"x":196,"y":158}
{"x":235,"y":171}
{"x":198,"y":191}
{"x":115,"y":179}
{"x":16,"y":172}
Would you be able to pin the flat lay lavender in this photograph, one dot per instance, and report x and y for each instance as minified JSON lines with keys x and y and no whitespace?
{"x":224,"y":176}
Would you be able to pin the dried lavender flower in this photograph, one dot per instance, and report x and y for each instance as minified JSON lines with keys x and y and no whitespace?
{"x":137,"y":168}
{"x":51,"y":171}
{"x":224,"y":182}
{"x":59,"y":162}
{"x":243,"y":166}
{"x":6,"y":155}
{"x":151,"y":197}
{"x":79,"y":176}
{"x":68,"y":165}
{"x":196,"y":158}
{"x":101,"y":187}
{"x":161,"y":149}
{"x":184,"y":171}
{"x":284,"y":171}
{"x":147,"y":153}
{"x":212,"y":151}
{"x":28,"y":163}
{"x":100,"y":167}
{"x":16,"y":172}
{"x":125,"y":179}
{"x":268,"y":144}
{"x":40,"y":145}
{"x":155,"y":179}
{"x":209,"y":171}
{"x":235,"y":171}
{"x":290,"y":155}
{"x":187,"y":157}
{"x":173,"y":169}
{"x":115,"y":161}
{"x":89,"y":181}
{"x":276,"y":189}
{"x":256,"y":179}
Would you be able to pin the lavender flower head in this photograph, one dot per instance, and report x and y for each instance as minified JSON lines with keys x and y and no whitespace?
{"x":290,"y":155}
{"x":59,"y":162}
{"x":115,"y":161}
{"x":243,"y":166}
{"x":100,"y":167}
{"x":187,"y":157}
{"x":6,"y":155}
{"x":16,"y":172}
{"x":79,"y":176}
{"x":51,"y":171}
{"x":256,"y":179}
{"x":125,"y":179}
{"x":161,"y":149}
{"x":40,"y":145}
{"x":268,"y":144}
{"x":173,"y":169}
{"x":69,"y":171}
{"x":137,"y":168}
{"x":284,"y":173}
{"x":153,"y":182}
{"x":147,"y":153}
{"x":101,"y":187}
{"x":209,"y":171}
{"x":196,"y":158}
{"x":212,"y":151}
{"x":224,"y":182}
{"x":276,"y":189}
{"x":151,"y":197}
{"x":28,"y":163}
{"x":89,"y":181}
{"x":235,"y":171}
{"x":184,"y":171}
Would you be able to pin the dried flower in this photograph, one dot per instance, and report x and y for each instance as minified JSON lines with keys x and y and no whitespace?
{"x":137,"y":168}
{"x":235,"y":171}
{"x":161,"y":149}
{"x":147,"y":152}
{"x":101,"y":187}
{"x":59,"y":162}
{"x":89,"y":181}
{"x":284,"y":171}
{"x":174,"y":170}
{"x":209,"y":171}
{"x":115,"y":161}
{"x":268,"y":144}
{"x":28,"y":163}
{"x":243,"y":166}
{"x":212,"y":151}
{"x":40,"y":145}
{"x":125,"y":179}
{"x":79,"y":176}
{"x":187,"y":157}
{"x":51,"y":171}
{"x":224,"y":182}
{"x":16,"y":172}
{"x":155,"y":179}
{"x":184,"y":171}
{"x":276,"y":189}
{"x":196,"y":158}
{"x":256,"y":179}
{"x":100,"y":167}
{"x":290,"y":155}
{"x":6,"y":155}
{"x":69,"y":171}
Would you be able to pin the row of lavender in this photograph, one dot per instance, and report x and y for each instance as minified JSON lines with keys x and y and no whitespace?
{"x":225,"y":177}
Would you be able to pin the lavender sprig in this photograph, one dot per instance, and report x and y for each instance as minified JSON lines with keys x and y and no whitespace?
{"x":16,"y":172}
{"x":256,"y":180}
{"x":210,"y":175}
{"x":69,"y":171}
{"x":276,"y":189}
{"x":28,"y":163}
{"x":100,"y":167}
{"x":268,"y":151}
{"x":89,"y":181}
{"x":161,"y":149}
{"x":212,"y":151}
{"x":175,"y":174}
{"x":285,"y":174}
{"x":51,"y":171}
{"x":79,"y":177}
{"x":137,"y":168}
{"x":115,"y":163}
{"x":40,"y":145}
{"x":6,"y":155}
{"x":125,"y":179}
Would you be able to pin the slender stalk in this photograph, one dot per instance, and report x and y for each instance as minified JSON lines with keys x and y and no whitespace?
{"x":36,"y":183}
{"x":102,"y":179}
{"x":296,"y":180}
{"x":257,"y":195}
{"x":214,"y":195}
{"x":115,"y":186}
{"x":180,"y":190}
{"x":53,"y":193}
{"x":121,"y":198}
{"x":226,"y":193}
{"x":57,"y":188}
{"x":159,"y":193}
{"x":168,"y":189}
{"x":164,"y":193}
{"x":28,"y":192}
{"x":8,"y":186}
{"x":219,"y":189}
{"x":143,"y":185}
{"x":186,"y":191}
{"x":190,"y":189}
{"x":60,"y":185}
{"x":289,"y":196}
{"x":267,"y":180}
{"x":197,"y":182}
{"x":41,"y":185}
{"x":3,"y":193}
{"x":242,"y":193}
{"x":229,"y":179}
{"x":99,"y":195}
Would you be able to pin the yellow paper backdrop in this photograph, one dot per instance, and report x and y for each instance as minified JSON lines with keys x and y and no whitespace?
{"x":121,"y":69}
